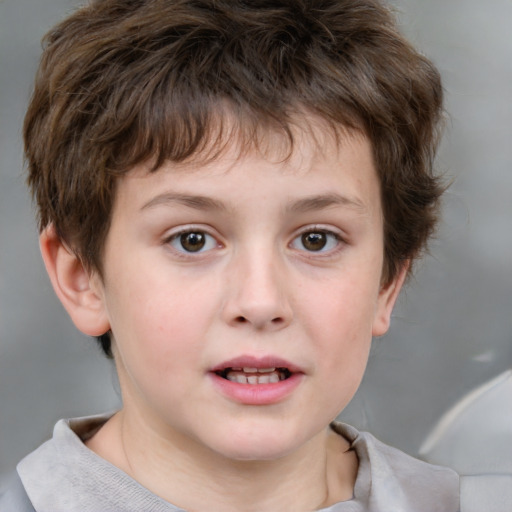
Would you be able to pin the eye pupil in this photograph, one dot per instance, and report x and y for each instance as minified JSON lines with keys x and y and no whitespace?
{"x":314,"y":241}
{"x":192,"y":242}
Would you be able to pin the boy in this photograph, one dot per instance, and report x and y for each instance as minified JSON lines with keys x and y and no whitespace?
{"x":231,"y":195}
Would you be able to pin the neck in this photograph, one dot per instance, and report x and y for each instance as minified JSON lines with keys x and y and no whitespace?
{"x":182,"y":472}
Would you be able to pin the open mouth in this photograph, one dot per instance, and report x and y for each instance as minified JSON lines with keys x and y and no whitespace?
{"x":254,"y":376}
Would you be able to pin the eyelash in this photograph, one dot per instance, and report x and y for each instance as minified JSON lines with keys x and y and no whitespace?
{"x":333,"y":242}
{"x":176,"y":241}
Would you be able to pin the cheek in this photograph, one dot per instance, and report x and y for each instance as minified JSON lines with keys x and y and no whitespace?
{"x":340,"y":322}
{"x":341,"y":308}
{"x":160,"y":322}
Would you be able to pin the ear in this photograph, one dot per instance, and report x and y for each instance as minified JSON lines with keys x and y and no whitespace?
{"x":386,"y":302}
{"x":79,"y":291}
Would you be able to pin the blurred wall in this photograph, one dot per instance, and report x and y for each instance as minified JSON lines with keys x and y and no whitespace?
{"x":452,"y":329}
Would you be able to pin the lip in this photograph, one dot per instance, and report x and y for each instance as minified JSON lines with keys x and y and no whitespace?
{"x":247,"y":361}
{"x":256,"y":394}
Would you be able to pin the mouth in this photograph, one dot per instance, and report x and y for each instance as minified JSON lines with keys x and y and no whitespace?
{"x":251,"y":380}
{"x":254,"y":376}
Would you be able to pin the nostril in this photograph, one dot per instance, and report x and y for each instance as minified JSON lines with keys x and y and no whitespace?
{"x":260,"y":322}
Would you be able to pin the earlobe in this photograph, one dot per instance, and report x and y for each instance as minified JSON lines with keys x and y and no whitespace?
{"x":386,"y":302}
{"x":77,"y":289}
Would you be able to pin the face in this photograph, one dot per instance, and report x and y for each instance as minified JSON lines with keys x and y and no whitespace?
{"x":243,"y":294}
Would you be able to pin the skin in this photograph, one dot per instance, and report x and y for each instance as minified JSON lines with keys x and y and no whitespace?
{"x":254,"y":289}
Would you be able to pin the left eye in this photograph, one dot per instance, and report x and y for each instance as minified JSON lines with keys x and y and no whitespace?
{"x":193,"y":241}
{"x":316,"y":241}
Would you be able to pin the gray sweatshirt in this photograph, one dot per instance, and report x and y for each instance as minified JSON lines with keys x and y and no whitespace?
{"x":63,"y":475}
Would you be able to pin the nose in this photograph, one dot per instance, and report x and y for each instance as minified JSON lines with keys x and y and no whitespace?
{"x":258,"y":293}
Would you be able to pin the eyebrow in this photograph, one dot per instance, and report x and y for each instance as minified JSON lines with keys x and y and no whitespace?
{"x":192,"y":201}
{"x":324,"y":201}
{"x":307,"y":204}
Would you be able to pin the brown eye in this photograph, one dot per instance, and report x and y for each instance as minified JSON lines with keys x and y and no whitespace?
{"x":317,"y":240}
{"x":193,"y":242}
{"x":314,"y":241}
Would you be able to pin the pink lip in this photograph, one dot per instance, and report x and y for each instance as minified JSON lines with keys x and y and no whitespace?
{"x":256,"y":394}
{"x":257,"y":362}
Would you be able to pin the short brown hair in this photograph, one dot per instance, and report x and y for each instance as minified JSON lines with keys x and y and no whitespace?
{"x":125,"y":81}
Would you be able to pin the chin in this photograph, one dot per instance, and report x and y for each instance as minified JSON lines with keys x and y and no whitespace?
{"x":254,"y":444}
{"x":256,"y":452}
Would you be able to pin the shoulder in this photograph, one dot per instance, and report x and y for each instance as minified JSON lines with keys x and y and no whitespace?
{"x":51,"y":475}
{"x":14,"y":497}
{"x":60,"y":459}
{"x":390,"y":478}
{"x":492,"y":493}
{"x":64,"y":475}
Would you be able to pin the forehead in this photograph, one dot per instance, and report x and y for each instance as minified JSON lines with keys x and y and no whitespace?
{"x":311,"y":165}
{"x":294,"y":145}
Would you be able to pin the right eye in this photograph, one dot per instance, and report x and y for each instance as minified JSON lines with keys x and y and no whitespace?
{"x":193,"y":241}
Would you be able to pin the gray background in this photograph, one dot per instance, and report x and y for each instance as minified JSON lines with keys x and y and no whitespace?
{"x":452,"y":329}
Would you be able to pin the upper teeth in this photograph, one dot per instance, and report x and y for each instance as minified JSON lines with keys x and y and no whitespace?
{"x":256,"y":370}
{"x":242,"y":378}
{"x":248,"y":375}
